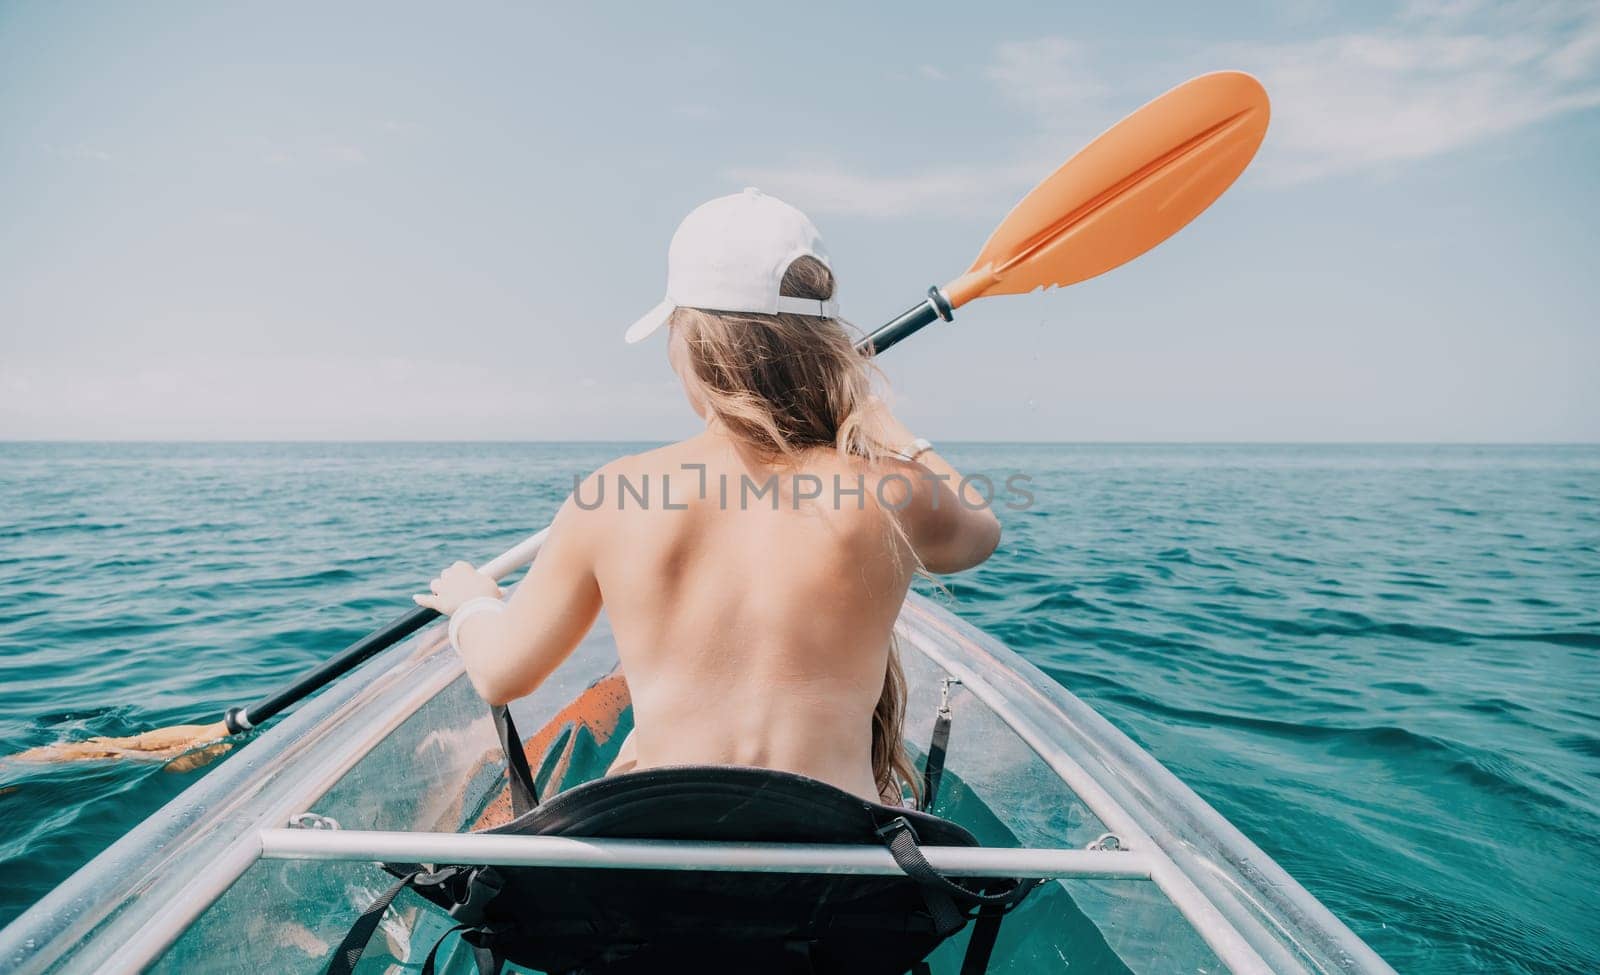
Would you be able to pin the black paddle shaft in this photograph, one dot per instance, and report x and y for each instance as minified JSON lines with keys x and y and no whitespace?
{"x":935,"y":307}
{"x":330,"y":670}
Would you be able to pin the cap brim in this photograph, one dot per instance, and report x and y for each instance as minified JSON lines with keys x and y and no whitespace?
{"x":649,"y":322}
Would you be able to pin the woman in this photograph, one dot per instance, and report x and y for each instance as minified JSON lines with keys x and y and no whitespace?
{"x":752,"y":573}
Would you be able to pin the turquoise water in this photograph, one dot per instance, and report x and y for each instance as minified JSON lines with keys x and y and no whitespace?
{"x":1382,"y":663}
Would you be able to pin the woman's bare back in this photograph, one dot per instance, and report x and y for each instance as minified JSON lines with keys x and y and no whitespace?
{"x":752,"y":618}
{"x":753,"y":621}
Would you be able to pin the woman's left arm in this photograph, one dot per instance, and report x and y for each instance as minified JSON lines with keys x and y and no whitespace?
{"x":510,"y":653}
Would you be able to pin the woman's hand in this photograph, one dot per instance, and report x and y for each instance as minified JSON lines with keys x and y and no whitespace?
{"x":455,"y":586}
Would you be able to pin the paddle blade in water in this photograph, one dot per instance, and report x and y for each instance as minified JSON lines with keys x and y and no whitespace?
{"x":173,"y":744}
{"x":1127,"y":191}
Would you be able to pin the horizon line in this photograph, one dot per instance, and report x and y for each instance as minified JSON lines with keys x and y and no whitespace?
{"x":88,"y":441}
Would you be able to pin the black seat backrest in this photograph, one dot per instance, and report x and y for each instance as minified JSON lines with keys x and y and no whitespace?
{"x":724,"y":803}
{"x":593,"y":920}
{"x":652,"y":920}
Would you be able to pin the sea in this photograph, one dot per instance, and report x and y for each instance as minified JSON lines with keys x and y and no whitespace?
{"x":1382,"y":663}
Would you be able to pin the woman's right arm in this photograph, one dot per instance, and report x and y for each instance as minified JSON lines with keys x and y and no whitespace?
{"x":950,"y":524}
{"x":509,"y":653}
{"x":949,"y":531}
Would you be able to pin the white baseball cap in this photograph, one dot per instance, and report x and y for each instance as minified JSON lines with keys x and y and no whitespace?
{"x":730,"y":254}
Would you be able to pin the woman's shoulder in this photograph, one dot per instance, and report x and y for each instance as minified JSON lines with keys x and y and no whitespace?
{"x":637,"y":481}
{"x":659,"y":461}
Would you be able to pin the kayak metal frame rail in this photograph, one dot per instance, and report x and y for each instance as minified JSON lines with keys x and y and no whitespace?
{"x":381,"y":846}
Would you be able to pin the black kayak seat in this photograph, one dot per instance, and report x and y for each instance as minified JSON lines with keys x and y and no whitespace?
{"x":586,"y":921}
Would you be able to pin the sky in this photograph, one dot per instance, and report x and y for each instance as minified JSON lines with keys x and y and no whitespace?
{"x":434,"y":222}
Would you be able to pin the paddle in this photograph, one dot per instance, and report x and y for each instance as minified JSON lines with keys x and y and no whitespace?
{"x":175,"y":740}
{"x":1130,"y":189}
{"x":1136,"y":185}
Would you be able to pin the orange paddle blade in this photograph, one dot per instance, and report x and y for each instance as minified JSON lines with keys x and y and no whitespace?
{"x":1126,"y":192}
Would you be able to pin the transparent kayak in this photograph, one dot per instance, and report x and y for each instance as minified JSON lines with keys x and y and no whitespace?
{"x":264,"y":864}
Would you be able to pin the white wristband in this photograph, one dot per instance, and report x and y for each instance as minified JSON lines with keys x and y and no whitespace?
{"x":915,"y":449}
{"x":469,"y":609}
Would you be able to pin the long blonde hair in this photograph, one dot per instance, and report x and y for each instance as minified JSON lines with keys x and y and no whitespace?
{"x":782,"y":384}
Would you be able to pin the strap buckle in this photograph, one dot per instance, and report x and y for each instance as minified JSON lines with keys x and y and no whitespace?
{"x":894,"y":827}
{"x":483,"y":885}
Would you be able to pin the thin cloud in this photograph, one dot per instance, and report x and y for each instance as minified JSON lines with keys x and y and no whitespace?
{"x":347,"y":155}
{"x":695,"y":111}
{"x":202,"y":397}
{"x":79,"y":153}
{"x":829,"y":186}
{"x":1445,"y":76}
{"x":1051,"y":76}
{"x":1442,"y":75}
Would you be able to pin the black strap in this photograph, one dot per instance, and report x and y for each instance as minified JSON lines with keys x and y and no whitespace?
{"x":524,"y":797}
{"x":488,"y":959}
{"x":427,"y":963}
{"x":901,"y":839}
{"x":350,"y":949}
{"x":981,"y":945}
{"x":933,"y":768}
